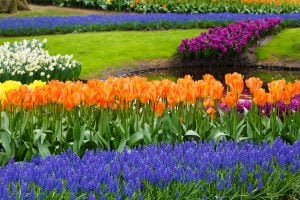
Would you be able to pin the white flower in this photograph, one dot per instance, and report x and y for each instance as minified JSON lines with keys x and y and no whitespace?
{"x":30,"y":57}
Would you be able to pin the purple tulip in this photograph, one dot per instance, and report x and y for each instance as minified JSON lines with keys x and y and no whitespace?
{"x":229,"y":40}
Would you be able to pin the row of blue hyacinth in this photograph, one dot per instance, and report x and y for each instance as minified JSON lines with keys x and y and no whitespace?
{"x":189,"y":170}
{"x":56,"y":24}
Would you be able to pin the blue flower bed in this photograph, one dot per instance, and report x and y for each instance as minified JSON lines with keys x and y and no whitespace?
{"x":49,"y":25}
{"x":190,"y":170}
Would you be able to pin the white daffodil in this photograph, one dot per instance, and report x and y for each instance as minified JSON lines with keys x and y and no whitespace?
{"x":29,"y":57}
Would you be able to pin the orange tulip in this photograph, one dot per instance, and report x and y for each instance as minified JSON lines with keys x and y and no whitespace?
{"x":216,"y":90}
{"x":172,"y":99}
{"x":261,"y":97}
{"x":231,"y":99}
{"x":202,"y":88}
{"x":160,"y":108}
{"x":276,"y":89}
{"x":39,"y":97}
{"x":292,"y":89}
{"x":296,"y":86}
{"x":28,"y":101}
{"x":72,"y":101}
{"x":235,"y":82}
{"x":253,"y":84}
{"x":208,"y":78}
{"x":285,"y":97}
{"x":124,"y":93}
{"x":211,"y":111}
{"x":208,"y":103}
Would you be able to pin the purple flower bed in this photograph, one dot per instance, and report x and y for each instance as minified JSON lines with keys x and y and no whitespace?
{"x":57,"y":24}
{"x":228,"y":41}
{"x":224,"y":169}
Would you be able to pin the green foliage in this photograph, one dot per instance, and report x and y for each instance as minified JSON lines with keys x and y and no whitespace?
{"x":213,"y":7}
{"x":162,"y":6}
{"x":274,"y":188}
{"x":53,"y":129}
{"x":256,"y":126}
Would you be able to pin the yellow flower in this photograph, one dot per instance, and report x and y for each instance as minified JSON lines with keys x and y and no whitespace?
{"x":2,"y":93}
{"x":7,"y":86}
{"x":11,"y":85}
{"x":36,"y":83}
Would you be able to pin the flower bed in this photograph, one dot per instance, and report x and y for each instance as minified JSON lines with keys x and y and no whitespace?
{"x":189,"y":170}
{"x":267,"y":108}
{"x":51,"y":25}
{"x":228,"y":41}
{"x":182,"y":6}
{"x":27,"y":61}
{"x":125,"y":112}
{"x":243,"y":6}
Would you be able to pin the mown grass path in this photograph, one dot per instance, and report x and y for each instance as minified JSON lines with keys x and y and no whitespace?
{"x":285,"y":45}
{"x":99,"y":51}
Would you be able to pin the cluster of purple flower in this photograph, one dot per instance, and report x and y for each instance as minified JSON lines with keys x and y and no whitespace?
{"x":281,"y":107}
{"x":242,"y":167}
{"x":230,"y":40}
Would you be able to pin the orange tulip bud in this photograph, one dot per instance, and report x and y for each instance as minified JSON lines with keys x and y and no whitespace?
{"x":208,"y":78}
{"x":160,"y":108}
{"x":208,"y":103}
{"x":211,"y":111}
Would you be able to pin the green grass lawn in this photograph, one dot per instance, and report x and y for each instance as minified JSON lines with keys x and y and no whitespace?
{"x":102,"y":50}
{"x":99,"y":51}
{"x":285,"y":45}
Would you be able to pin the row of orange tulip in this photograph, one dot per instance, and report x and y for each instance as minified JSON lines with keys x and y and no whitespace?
{"x":275,"y":2}
{"x":121,"y":92}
